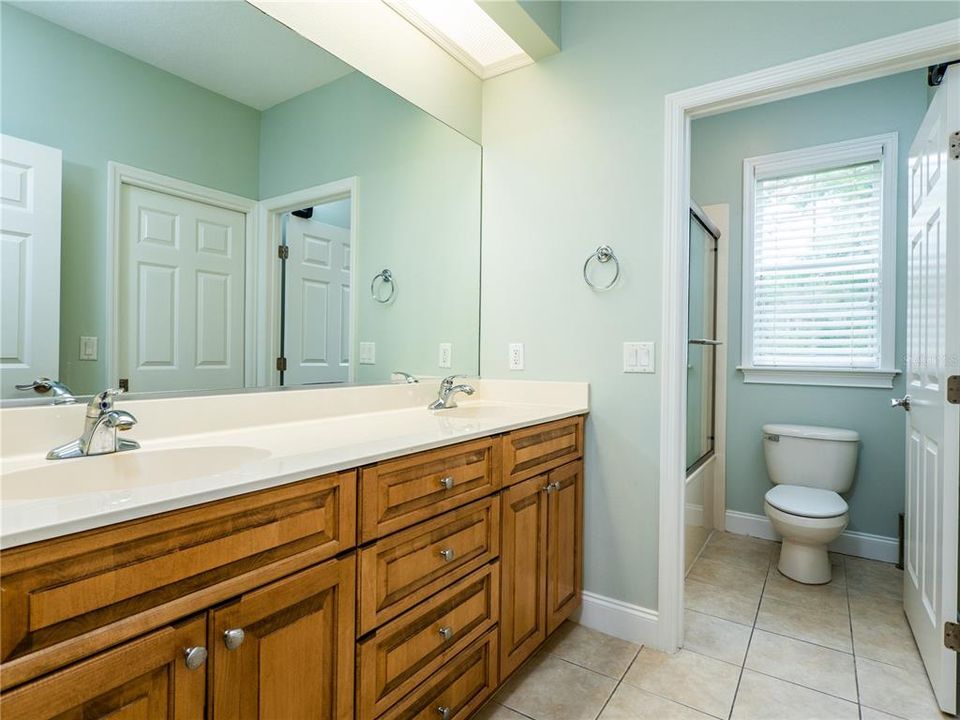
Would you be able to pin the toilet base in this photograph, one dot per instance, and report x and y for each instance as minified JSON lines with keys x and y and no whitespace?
{"x":808,"y":564}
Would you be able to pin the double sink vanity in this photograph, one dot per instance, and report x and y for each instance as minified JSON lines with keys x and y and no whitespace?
{"x":344,"y":553}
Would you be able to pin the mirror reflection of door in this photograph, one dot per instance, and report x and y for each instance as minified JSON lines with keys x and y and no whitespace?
{"x":316,"y":313}
{"x":180,"y":293}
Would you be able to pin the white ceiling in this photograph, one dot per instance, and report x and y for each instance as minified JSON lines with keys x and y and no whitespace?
{"x":227,"y":46}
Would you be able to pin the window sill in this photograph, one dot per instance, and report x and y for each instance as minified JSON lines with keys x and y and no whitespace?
{"x":815,"y":376}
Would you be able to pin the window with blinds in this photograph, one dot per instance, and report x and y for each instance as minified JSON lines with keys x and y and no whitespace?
{"x":818,"y":256}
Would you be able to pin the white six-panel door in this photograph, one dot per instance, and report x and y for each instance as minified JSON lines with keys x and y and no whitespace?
{"x":317,"y":315}
{"x":933,"y":354}
{"x":30,"y":189}
{"x":180,"y":293}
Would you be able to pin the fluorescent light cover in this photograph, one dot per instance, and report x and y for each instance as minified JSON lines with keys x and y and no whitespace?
{"x":466,"y":32}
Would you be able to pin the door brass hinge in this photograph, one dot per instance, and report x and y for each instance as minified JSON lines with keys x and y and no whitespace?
{"x":955,"y":145}
{"x":283,"y":252}
{"x":951,"y":636}
{"x":124,"y":384}
{"x":281,"y":364}
{"x":953,"y":389}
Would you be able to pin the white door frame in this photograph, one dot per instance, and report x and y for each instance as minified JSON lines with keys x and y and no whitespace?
{"x":119,"y":175}
{"x":897,"y":53}
{"x":268,"y":289}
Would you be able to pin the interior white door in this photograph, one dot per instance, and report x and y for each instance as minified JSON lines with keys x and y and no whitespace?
{"x":180,"y":293}
{"x":933,"y":355}
{"x":317,"y":303}
{"x":30,"y":187}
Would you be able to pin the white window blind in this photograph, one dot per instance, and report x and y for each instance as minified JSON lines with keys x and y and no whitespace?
{"x":817,"y":250}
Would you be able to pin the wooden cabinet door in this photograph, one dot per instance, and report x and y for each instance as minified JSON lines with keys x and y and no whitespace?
{"x":296,"y":658}
{"x":564,"y":543}
{"x":523,"y":622}
{"x":145,"y":679}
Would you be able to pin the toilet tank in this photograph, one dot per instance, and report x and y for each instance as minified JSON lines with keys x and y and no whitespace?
{"x":817,"y":457}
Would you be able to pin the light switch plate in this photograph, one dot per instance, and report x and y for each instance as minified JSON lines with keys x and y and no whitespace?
{"x":368,"y":353}
{"x":89,"y":347}
{"x":515,"y":356}
{"x":639,"y":357}
{"x":445,"y":359}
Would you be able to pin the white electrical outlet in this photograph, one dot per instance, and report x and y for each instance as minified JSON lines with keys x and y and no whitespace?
{"x":638,"y":357}
{"x":445,"y":359}
{"x":88,"y":347}
{"x":516,"y":356}
{"x":368,"y":353}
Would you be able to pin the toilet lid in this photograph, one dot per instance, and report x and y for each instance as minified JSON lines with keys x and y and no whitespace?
{"x":806,"y":502}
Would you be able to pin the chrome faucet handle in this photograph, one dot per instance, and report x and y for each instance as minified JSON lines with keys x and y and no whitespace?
{"x":449,"y":379}
{"x":103,"y":401}
{"x":62,"y":395}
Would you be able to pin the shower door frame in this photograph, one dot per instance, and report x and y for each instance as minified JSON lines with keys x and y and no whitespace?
{"x":910,"y":50}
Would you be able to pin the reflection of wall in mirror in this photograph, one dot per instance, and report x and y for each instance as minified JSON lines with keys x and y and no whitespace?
{"x":418,"y":181}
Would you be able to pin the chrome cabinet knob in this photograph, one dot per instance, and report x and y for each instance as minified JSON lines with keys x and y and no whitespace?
{"x":551,"y":487}
{"x":903,"y":402}
{"x":447,"y":482}
{"x":448,"y":554}
{"x":444,"y":712}
{"x":194,"y":657}
{"x":446,"y":632}
{"x":233,"y":638}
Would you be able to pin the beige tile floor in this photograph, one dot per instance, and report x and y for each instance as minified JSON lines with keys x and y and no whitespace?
{"x":758,"y":647}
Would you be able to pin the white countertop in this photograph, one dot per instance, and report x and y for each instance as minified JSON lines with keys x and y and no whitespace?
{"x":41,"y":499}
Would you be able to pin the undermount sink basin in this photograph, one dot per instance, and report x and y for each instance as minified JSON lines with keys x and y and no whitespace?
{"x":119,"y":471}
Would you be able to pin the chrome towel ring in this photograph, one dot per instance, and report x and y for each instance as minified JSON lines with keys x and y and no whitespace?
{"x":386,"y":278}
{"x":602,"y":254}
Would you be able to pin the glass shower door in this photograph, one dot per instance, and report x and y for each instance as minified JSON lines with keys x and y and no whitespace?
{"x":701,"y":348}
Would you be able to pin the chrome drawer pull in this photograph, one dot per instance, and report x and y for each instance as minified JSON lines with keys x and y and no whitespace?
{"x":233,"y":638}
{"x":448,"y":554}
{"x":446,"y":632}
{"x":194,"y":657}
{"x":447,"y":482}
{"x":444,"y":712}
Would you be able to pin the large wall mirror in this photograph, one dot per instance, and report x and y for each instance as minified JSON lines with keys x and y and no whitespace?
{"x":196,"y":198}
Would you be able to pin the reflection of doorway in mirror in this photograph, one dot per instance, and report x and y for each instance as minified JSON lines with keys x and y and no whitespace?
{"x":315,"y":307}
{"x":29,"y":263}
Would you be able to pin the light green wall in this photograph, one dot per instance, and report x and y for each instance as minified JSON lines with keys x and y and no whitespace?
{"x":61,"y":89}
{"x":419,"y":213}
{"x":573,"y":158}
{"x":720,"y":144}
{"x":546,"y":13}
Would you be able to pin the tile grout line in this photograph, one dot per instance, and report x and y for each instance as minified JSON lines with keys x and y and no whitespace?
{"x":619,"y":683}
{"x":753,"y":629}
{"x":853,"y":643}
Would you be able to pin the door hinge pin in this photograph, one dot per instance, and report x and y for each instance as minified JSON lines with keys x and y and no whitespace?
{"x":953,"y":389}
{"x":951,"y":636}
{"x":281,"y":364}
{"x":955,"y":145}
{"x":283,"y":252}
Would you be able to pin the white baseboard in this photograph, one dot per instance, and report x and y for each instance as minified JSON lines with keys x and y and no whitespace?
{"x":858,"y":544}
{"x":620,"y":619}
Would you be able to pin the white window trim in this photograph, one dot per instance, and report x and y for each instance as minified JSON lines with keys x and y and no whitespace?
{"x":813,"y":158}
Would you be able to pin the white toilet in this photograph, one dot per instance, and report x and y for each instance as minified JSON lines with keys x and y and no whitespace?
{"x":809,"y":467}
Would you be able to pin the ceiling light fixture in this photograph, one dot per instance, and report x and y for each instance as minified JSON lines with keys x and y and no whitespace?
{"x":466,"y":32}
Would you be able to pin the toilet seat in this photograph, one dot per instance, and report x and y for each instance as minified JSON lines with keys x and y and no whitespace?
{"x":806,"y":502}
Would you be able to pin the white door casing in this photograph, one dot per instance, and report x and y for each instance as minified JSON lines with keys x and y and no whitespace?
{"x":317,"y":316}
{"x":933,"y":354}
{"x":180,"y":286}
{"x":30,"y":208}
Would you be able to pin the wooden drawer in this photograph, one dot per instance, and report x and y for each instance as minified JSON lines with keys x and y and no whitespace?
{"x":408,"y":650}
{"x":399,"y":493}
{"x":399,"y":571}
{"x":535,"y":450}
{"x":145,"y":678}
{"x":74,"y":595}
{"x":460,"y":687}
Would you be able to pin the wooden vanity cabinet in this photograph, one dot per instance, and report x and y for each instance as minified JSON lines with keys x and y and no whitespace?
{"x":541,"y":563}
{"x":414,"y":598}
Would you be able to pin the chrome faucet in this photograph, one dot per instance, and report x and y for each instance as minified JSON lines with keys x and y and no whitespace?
{"x":100,"y":428}
{"x":61,"y":393}
{"x":445,"y":399}
{"x":406,"y":377}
